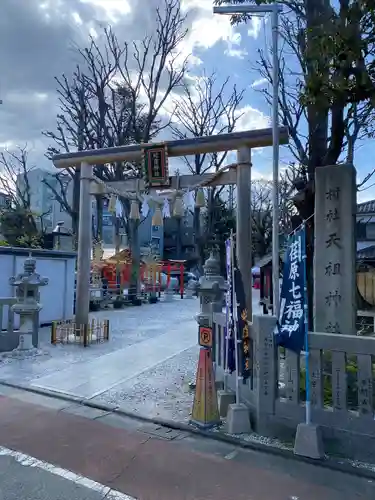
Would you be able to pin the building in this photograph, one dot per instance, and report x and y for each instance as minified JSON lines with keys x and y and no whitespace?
{"x":43,"y":199}
{"x":173,"y":230}
{"x":163,"y":240}
{"x":365,"y":225}
{"x":5,"y":201}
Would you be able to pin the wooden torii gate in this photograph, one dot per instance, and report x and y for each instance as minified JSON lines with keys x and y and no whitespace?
{"x":243,"y":142}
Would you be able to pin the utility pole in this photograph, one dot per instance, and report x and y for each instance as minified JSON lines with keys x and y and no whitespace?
{"x":274,"y":9}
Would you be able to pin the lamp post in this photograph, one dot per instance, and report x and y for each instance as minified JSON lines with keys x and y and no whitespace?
{"x":274,"y":9}
{"x":58,"y":233}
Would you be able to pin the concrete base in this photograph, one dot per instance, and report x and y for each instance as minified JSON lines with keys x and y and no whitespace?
{"x":225,"y":399}
{"x":168,"y":296}
{"x":309,"y":441}
{"x":238,"y":419}
{"x":8,"y":342}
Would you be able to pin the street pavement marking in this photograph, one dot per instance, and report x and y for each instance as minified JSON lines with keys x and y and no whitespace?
{"x":29,"y":461}
{"x":231,"y":455}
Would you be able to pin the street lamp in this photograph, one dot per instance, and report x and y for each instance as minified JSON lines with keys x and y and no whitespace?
{"x":274,"y":9}
{"x":58,"y":233}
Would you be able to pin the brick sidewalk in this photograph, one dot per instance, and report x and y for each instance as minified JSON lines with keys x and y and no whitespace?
{"x":148,"y":468}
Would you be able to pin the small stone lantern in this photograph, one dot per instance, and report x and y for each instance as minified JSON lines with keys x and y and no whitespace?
{"x":211,"y":291}
{"x":27,"y":306}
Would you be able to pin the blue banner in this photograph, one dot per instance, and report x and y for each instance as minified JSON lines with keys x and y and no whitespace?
{"x":292,"y":325}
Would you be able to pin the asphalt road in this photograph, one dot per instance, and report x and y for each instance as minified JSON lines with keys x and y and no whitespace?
{"x":20,"y":482}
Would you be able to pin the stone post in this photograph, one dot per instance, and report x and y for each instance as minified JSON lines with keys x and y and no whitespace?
{"x":265,"y":370}
{"x":27,"y":305}
{"x":243,"y":229}
{"x":335,"y":309}
{"x":84,"y":248}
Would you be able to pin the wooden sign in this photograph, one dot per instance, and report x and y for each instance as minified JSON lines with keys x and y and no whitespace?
{"x":205,"y":336}
{"x":155,"y":165}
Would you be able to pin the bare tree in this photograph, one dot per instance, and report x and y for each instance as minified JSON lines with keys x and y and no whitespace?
{"x":327,"y":101}
{"x":203,"y":109}
{"x":116,"y":93}
{"x":20,"y":224}
{"x":261,"y":211}
{"x":115,"y":97}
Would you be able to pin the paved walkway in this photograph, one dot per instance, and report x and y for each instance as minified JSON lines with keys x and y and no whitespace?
{"x":145,"y":368}
{"x":134,"y":460}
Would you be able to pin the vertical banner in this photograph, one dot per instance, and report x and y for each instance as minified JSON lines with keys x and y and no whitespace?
{"x":243,"y":337}
{"x":229,"y":343}
{"x":291,"y":328}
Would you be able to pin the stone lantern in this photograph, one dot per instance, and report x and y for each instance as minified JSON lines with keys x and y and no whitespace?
{"x":211,"y":291}
{"x":27,"y":306}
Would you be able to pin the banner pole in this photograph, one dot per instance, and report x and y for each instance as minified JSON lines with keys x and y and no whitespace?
{"x":306,"y":323}
{"x":235,"y":324}
{"x":228,"y":246}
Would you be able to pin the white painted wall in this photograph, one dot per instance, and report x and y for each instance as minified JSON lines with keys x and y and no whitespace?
{"x":57,"y":297}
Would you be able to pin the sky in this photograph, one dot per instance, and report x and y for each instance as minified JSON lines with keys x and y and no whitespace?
{"x":37,"y":39}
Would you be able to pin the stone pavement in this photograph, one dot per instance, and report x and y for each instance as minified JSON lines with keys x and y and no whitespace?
{"x":145,"y":368}
{"x":152,"y":463}
{"x":143,"y":340}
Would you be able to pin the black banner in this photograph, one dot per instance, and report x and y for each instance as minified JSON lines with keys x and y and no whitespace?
{"x":244,"y":344}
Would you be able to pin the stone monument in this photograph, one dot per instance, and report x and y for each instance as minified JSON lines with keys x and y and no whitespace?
{"x":335,"y":308}
{"x":28,"y":306}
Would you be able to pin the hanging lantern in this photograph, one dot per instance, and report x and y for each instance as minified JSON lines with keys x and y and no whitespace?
{"x":157,"y":218}
{"x":134,"y":210}
{"x":178,"y":208}
{"x":200,"y":202}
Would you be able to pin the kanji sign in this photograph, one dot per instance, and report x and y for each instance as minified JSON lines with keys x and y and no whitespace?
{"x":155,"y":164}
{"x":205,"y":336}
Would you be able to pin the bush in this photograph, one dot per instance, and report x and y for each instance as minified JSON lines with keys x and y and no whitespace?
{"x":352,"y":384}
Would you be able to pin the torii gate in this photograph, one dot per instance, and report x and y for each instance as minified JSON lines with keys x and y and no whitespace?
{"x":243,"y":142}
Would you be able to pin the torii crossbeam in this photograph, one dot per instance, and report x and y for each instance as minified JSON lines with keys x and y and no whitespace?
{"x":243,"y":142}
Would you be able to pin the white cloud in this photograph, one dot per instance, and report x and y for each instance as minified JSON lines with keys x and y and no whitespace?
{"x":114,"y":8}
{"x":209,"y":29}
{"x":259,"y":82}
{"x":251,"y":119}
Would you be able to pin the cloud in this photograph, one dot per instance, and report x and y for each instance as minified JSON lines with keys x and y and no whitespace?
{"x":259,"y":82}
{"x":38,"y":40}
{"x":252,"y":119}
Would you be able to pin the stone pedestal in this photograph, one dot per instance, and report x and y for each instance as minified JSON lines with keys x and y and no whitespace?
{"x":190,"y":290}
{"x":238,"y":419}
{"x":168,"y":295}
{"x":309,"y":441}
{"x":225,"y":398}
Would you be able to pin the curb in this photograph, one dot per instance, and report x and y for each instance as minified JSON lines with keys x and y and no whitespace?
{"x":328,"y":463}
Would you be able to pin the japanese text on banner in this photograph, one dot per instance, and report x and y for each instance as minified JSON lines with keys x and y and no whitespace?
{"x":291,"y":328}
